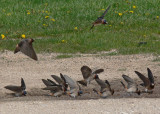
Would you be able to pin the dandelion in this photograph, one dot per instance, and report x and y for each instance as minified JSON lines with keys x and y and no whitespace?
{"x":64,"y":41}
{"x":3,"y":36}
{"x":134,"y":7}
{"x":121,"y":23}
{"x":131,"y":11}
{"x":53,"y":20}
{"x":46,"y":17}
{"x":102,"y":9}
{"x":75,"y":28}
{"x":23,"y":36}
{"x":157,"y":17}
{"x":28,"y":12}
{"x":45,"y":25}
{"x":144,"y":35}
{"x":8,"y":14}
{"x":120,"y":14}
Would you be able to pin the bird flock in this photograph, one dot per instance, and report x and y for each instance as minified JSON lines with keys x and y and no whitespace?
{"x":65,"y":85}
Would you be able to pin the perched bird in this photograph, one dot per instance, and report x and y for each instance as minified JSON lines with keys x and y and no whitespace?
{"x":105,"y":90}
{"x":55,"y":89}
{"x":19,"y":90}
{"x":132,"y":87}
{"x":148,"y":83}
{"x":25,"y":46}
{"x":101,"y":20}
{"x":61,"y":81}
{"x":75,"y":89}
{"x":88,"y":75}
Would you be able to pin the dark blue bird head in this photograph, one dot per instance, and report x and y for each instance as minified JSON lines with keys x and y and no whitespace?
{"x":24,"y":93}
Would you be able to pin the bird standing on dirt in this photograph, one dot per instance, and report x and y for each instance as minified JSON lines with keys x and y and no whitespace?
{"x":88,"y":75}
{"x":105,"y":90}
{"x":132,"y":87}
{"x":75,"y":89}
{"x":101,"y":20}
{"x":148,"y":83}
{"x":25,"y":46}
{"x":19,"y":90}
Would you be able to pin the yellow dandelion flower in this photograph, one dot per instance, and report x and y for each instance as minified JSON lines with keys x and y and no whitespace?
{"x":8,"y":14}
{"x":121,"y":23}
{"x":23,"y":36}
{"x":131,"y":11}
{"x":75,"y":28}
{"x":134,"y":7}
{"x":46,"y":17}
{"x":102,"y":9}
{"x":3,"y":36}
{"x":157,"y":17}
{"x":120,"y":14}
{"x":28,"y":12}
{"x":53,"y":20}
{"x":64,"y":41}
{"x":45,"y":25}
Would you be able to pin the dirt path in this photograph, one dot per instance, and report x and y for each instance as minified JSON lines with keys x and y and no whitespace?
{"x":15,"y":66}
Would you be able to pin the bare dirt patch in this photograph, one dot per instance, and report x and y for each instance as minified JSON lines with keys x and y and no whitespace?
{"x":15,"y":66}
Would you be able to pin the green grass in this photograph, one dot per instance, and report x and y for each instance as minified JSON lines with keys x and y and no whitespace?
{"x":140,"y":26}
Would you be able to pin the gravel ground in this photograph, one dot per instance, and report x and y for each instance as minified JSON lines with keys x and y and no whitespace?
{"x":15,"y":66}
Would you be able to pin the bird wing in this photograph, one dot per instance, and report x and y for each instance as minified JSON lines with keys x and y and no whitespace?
{"x":72,"y":84}
{"x":14,"y":88}
{"x":102,"y":84}
{"x":143,"y":78}
{"x":23,"y":85}
{"x":82,"y":82}
{"x":57,"y":79}
{"x":52,"y":88}
{"x":86,"y":72}
{"x":98,"y":71}
{"x":130,"y":81}
{"x":25,"y":46}
{"x":47,"y":83}
{"x":105,"y":12}
{"x":150,"y":76}
{"x":53,"y":83}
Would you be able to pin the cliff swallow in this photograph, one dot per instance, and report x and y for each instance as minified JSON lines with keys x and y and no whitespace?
{"x":148,"y":83}
{"x":105,"y":90}
{"x":19,"y":90}
{"x":88,"y":75}
{"x":25,"y":46}
{"x":101,"y":20}
{"x":132,"y":87}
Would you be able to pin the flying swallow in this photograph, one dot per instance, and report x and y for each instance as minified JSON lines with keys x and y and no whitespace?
{"x":25,"y":46}
{"x":148,"y":83}
{"x":19,"y":90}
{"x":101,"y":20}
